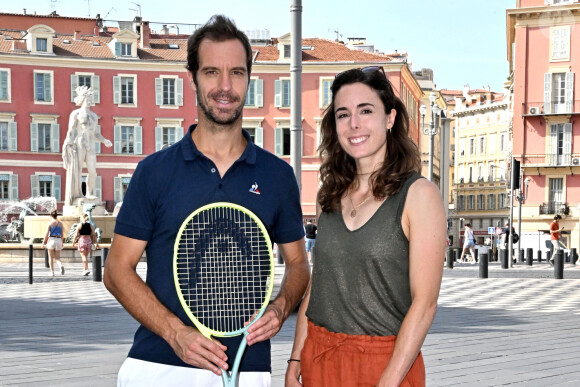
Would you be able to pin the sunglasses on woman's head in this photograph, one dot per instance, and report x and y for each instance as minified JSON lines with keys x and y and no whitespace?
{"x":367,"y":69}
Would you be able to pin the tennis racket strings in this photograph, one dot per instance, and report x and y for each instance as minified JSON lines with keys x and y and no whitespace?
{"x":223,"y":268}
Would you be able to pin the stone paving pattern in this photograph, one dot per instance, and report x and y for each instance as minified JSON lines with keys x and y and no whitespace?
{"x":520,"y":327}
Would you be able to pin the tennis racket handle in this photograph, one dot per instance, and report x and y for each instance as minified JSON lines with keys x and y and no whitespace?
{"x":230,"y":379}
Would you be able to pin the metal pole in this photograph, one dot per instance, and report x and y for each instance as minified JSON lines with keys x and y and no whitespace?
{"x":510,"y":240}
{"x":296,"y":90}
{"x":431,"y":145}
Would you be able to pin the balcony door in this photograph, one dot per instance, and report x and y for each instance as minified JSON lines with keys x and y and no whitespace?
{"x":555,"y":195}
{"x":560,"y":144}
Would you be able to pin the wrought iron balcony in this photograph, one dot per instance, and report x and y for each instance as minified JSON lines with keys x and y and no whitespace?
{"x":551,"y":160}
{"x":553,"y":208}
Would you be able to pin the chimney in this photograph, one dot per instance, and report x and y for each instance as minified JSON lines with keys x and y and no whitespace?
{"x":164,"y":30}
{"x":77,"y":35}
{"x":145,"y":35}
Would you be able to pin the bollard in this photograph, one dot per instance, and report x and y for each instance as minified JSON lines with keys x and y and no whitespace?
{"x":280,"y":258}
{"x":548,"y":256}
{"x":450,"y":256}
{"x":46,"y":264}
{"x":559,"y":265}
{"x":458,"y":251}
{"x":529,"y":256}
{"x":30,"y":253}
{"x":476,"y":258}
{"x":573,"y":256}
{"x":483,"y":265}
{"x":504,"y":258}
{"x":566,"y":257}
{"x":539,"y":256}
{"x":97,"y":270}
{"x":105,"y":253}
{"x":521,"y":255}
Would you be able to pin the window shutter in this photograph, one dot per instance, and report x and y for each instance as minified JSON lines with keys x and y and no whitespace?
{"x":259,"y":136}
{"x":138,"y":140}
{"x":34,"y":188}
{"x":4,"y":85}
{"x":158,"y":138}
{"x":277,"y":93}
{"x":547,"y":93}
{"x":98,"y":187}
{"x":56,"y":186}
{"x":183,"y":130}
{"x":55,"y":138}
{"x":567,"y":144}
{"x":14,"y":187}
{"x":98,"y":143}
{"x":259,"y":92}
{"x":118,"y":190}
{"x":96,"y":86}
{"x":569,"y":92}
{"x":116,"y":90}
{"x":158,"y":91}
{"x":278,"y":138}
{"x":117,"y":139}
{"x":117,"y":49}
{"x":74,"y":83}
{"x":47,"y":88}
{"x":179,"y":91}
{"x":34,"y":137}
{"x":12,"y":136}
{"x":553,"y":145}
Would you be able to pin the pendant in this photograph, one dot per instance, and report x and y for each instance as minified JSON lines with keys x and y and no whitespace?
{"x":353,"y":213}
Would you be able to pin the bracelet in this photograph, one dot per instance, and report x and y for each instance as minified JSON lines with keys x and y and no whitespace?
{"x":296,"y":360}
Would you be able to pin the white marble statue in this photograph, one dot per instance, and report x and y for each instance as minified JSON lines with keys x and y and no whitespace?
{"x":79,"y":147}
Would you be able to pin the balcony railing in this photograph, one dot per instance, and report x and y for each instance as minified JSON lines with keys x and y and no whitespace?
{"x":552,"y":208}
{"x":551,"y":160}
{"x":538,"y":108}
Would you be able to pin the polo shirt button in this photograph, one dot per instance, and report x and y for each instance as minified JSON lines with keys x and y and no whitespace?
{"x":213,"y":170}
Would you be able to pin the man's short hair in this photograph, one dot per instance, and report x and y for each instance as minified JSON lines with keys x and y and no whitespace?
{"x":557,"y":217}
{"x":218,"y":28}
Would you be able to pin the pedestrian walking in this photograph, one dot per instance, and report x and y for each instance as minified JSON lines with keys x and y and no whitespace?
{"x":468,"y":243}
{"x":555,"y":231}
{"x":86,"y":237}
{"x":53,"y":242}
{"x":310,"y":230}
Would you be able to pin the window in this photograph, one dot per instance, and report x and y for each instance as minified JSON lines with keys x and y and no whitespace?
{"x":491,"y":146}
{"x":42,"y":86}
{"x":282,"y":93}
{"x":125,"y":90}
{"x":491,"y":202}
{"x":45,"y":185}
{"x":257,"y":135}
{"x":481,"y":202}
{"x":89,"y":80}
{"x":501,"y":204}
{"x":502,"y":142}
{"x":460,"y":203}
{"x":560,"y":43}
{"x":9,"y":186}
{"x":482,"y":145}
{"x":4,"y":85}
{"x":472,"y":146}
{"x":560,"y":144}
{"x":41,"y":44}
{"x":169,"y":91}
{"x":166,"y":136}
{"x":558,"y":93}
{"x":4,"y":136}
{"x":325,"y":92}
{"x":462,"y":147}
{"x":470,"y":202}
{"x":491,"y":174}
{"x":125,"y":49}
{"x":44,"y":137}
{"x":255,"y":94}
{"x":128,"y":139}
{"x":470,"y":172}
{"x":121,"y":183}
{"x":287,"y":51}
{"x":555,"y":193}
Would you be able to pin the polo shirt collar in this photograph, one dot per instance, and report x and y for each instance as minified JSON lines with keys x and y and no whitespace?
{"x":190,"y":151}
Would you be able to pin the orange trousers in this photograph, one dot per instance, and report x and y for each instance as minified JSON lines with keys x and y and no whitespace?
{"x":337,"y":359}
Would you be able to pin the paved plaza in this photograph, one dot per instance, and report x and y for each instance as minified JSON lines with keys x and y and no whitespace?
{"x":520,"y":327}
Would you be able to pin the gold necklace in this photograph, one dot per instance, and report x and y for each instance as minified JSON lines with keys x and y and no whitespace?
{"x":353,"y":212}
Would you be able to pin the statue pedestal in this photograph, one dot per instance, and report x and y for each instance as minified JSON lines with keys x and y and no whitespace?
{"x":80,"y":204}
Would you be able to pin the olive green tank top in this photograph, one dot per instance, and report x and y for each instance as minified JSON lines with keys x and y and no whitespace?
{"x":360,"y":278}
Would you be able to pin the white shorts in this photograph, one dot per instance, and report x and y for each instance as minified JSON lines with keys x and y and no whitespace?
{"x":54,"y":243}
{"x":139,"y":373}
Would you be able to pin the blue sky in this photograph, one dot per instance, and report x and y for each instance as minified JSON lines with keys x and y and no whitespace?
{"x":463,"y":41}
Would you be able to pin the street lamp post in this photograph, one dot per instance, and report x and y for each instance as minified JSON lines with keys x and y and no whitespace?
{"x":521,"y":197}
{"x":433,"y":127}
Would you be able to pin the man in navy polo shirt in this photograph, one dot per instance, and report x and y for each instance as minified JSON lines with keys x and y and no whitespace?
{"x":215,"y":161}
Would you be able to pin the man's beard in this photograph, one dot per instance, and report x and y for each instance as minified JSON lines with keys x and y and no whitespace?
{"x":212,"y":115}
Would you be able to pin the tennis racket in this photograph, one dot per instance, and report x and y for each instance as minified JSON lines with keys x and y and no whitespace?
{"x":223,"y":270}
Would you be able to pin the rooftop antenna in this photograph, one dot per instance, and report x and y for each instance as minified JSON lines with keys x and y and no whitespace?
{"x":135,"y":10}
{"x":89,"y":5}
{"x":338,"y":34}
{"x":52,"y":5}
{"x":112,"y":9}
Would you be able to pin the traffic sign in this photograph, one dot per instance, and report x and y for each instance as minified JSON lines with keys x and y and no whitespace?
{"x":491,"y":230}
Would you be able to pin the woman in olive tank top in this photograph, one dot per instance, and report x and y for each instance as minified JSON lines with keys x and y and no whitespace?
{"x":379,"y":249}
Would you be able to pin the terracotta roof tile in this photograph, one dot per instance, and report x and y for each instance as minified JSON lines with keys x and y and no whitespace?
{"x":84,"y":47}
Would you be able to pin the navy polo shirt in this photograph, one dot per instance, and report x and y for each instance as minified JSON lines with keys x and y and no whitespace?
{"x":169,"y":185}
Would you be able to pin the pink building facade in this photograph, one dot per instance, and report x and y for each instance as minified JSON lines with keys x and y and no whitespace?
{"x":543,"y":46}
{"x":144,"y":102}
